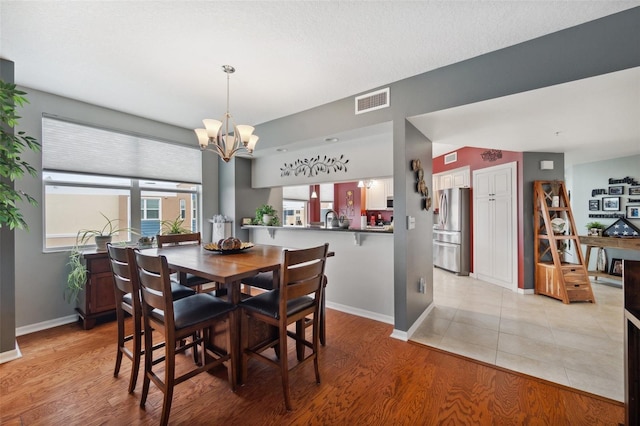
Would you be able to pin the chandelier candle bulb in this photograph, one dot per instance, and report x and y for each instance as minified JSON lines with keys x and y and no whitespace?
{"x":225,"y":143}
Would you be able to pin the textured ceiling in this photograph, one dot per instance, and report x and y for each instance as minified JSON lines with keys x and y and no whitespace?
{"x":161,"y":59}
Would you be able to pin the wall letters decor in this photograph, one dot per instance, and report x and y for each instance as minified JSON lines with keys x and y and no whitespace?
{"x":629,"y":180}
{"x":312,"y":166}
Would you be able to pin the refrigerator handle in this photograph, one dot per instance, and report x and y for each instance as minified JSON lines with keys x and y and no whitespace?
{"x":444,"y":209}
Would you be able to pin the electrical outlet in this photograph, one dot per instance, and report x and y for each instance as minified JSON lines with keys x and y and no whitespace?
{"x":422,"y":285}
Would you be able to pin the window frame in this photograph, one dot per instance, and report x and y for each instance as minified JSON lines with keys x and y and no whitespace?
{"x":134,"y":206}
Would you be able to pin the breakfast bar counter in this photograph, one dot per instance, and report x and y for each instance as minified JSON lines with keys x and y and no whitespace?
{"x":360,"y":275}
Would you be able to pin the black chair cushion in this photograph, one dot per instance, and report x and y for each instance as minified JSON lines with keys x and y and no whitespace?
{"x":263,"y":280}
{"x":194,"y":280}
{"x":197,"y":308}
{"x":180,"y":292}
{"x":267,"y":304}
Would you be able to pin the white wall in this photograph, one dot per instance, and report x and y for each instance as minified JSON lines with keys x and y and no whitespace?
{"x":589,"y":176}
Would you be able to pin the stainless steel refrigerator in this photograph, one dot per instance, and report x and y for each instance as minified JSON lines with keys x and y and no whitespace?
{"x":451,"y":247}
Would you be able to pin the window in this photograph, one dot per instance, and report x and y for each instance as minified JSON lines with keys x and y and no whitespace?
{"x":76,"y":202}
{"x":194,"y":209}
{"x":169,"y":199}
{"x":83,"y":182}
{"x":150,"y":208}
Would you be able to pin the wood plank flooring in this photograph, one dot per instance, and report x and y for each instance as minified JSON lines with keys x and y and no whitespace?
{"x":65,"y":377}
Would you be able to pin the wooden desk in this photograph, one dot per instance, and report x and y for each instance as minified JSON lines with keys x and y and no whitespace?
{"x":607,"y":242}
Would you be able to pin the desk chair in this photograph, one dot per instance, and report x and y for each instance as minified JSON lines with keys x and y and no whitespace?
{"x":127,"y":296}
{"x":302,"y":275}
{"x":194,"y":317}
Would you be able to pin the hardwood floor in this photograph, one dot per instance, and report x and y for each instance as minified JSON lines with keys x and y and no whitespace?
{"x":66,"y":377}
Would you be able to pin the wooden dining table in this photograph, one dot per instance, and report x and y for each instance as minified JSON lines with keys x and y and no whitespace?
{"x":228,"y":270}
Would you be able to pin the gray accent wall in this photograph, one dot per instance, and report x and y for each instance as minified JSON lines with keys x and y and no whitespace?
{"x":7,"y":257}
{"x":530,"y":173}
{"x":40,"y":276}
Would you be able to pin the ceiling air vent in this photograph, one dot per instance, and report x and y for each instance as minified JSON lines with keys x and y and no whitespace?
{"x":451,"y":157}
{"x":372,"y":101}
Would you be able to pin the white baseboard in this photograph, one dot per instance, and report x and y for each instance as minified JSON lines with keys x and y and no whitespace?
{"x":32,"y":328}
{"x":361,"y":312}
{"x":10,"y":355}
{"x":406,"y":335}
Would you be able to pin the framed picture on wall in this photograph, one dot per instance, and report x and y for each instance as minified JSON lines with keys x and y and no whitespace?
{"x":246,"y":221}
{"x":633,"y":212}
{"x":611,"y":204}
{"x":634,"y":190}
{"x":594,"y":205}
{"x":616,"y":190}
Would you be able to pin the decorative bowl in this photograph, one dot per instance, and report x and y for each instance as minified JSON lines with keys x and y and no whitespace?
{"x":214,"y":247}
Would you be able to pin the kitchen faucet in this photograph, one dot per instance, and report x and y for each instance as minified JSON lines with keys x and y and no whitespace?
{"x":335,"y":216}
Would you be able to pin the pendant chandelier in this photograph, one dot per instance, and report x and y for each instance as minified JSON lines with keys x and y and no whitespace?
{"x":226,"y":138}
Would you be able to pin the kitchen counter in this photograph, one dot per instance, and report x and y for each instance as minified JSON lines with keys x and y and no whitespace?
{"x":357,"y":233}
{"x":361,"y":275}
{"x":376,"y":229}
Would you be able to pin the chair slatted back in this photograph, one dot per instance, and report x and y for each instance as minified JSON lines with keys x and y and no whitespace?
{"x":155,"y":284}
{"x":125,"y":276}
{"x":303,"y":272}
{"x":178,"y":239}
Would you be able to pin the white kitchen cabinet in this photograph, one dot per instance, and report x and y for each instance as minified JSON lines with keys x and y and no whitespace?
{"x":456,"y":178}
{"x":494,"y":235}
{"x":378,"y":193}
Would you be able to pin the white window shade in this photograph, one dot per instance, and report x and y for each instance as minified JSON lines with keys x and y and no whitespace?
{"x":326,"y":192}
{"x":300,"y":192}
{"x":74,"y":147}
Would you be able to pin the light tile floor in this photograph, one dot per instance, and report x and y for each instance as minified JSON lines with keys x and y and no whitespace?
{"x":579,"y":345}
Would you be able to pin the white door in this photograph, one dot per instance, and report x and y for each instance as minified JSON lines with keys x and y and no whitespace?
{"x":494,"y":222}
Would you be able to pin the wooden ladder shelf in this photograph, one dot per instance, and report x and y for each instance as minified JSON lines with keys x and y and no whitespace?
{"x":554,"y":276}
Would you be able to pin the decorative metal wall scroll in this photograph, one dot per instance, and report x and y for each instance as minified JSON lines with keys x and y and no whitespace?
{"x":491,"y":154}
{"x":421,"y":185}
{"x":313,"y":166}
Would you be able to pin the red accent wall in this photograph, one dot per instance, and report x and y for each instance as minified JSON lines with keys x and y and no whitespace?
{"x":472,"y":157}
{"x":348,"y":205}
{"x":314,"y":204}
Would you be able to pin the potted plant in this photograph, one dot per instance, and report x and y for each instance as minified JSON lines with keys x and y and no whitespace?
{"x":102,"y":236}
{"x":145,"y":242}
{"x":266,"y":215}
{"x":595,"y":228}
{"x":173,"y":227}
{"x":12,"y":167}
{"x":77,"y":276}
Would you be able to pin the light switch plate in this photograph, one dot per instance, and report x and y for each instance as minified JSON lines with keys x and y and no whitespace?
{"x":411,"y":222}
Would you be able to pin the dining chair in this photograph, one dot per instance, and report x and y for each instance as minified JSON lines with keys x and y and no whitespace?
{"x":301,"y":276}
{"x":188,"y":279}
{"x":196,"y":317}
{"x":264,"y":281}
{"x":127,"y":297}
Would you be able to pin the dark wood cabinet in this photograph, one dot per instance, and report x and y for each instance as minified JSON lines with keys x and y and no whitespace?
{"x":98,"y":298}
{"x":631,"y":279}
